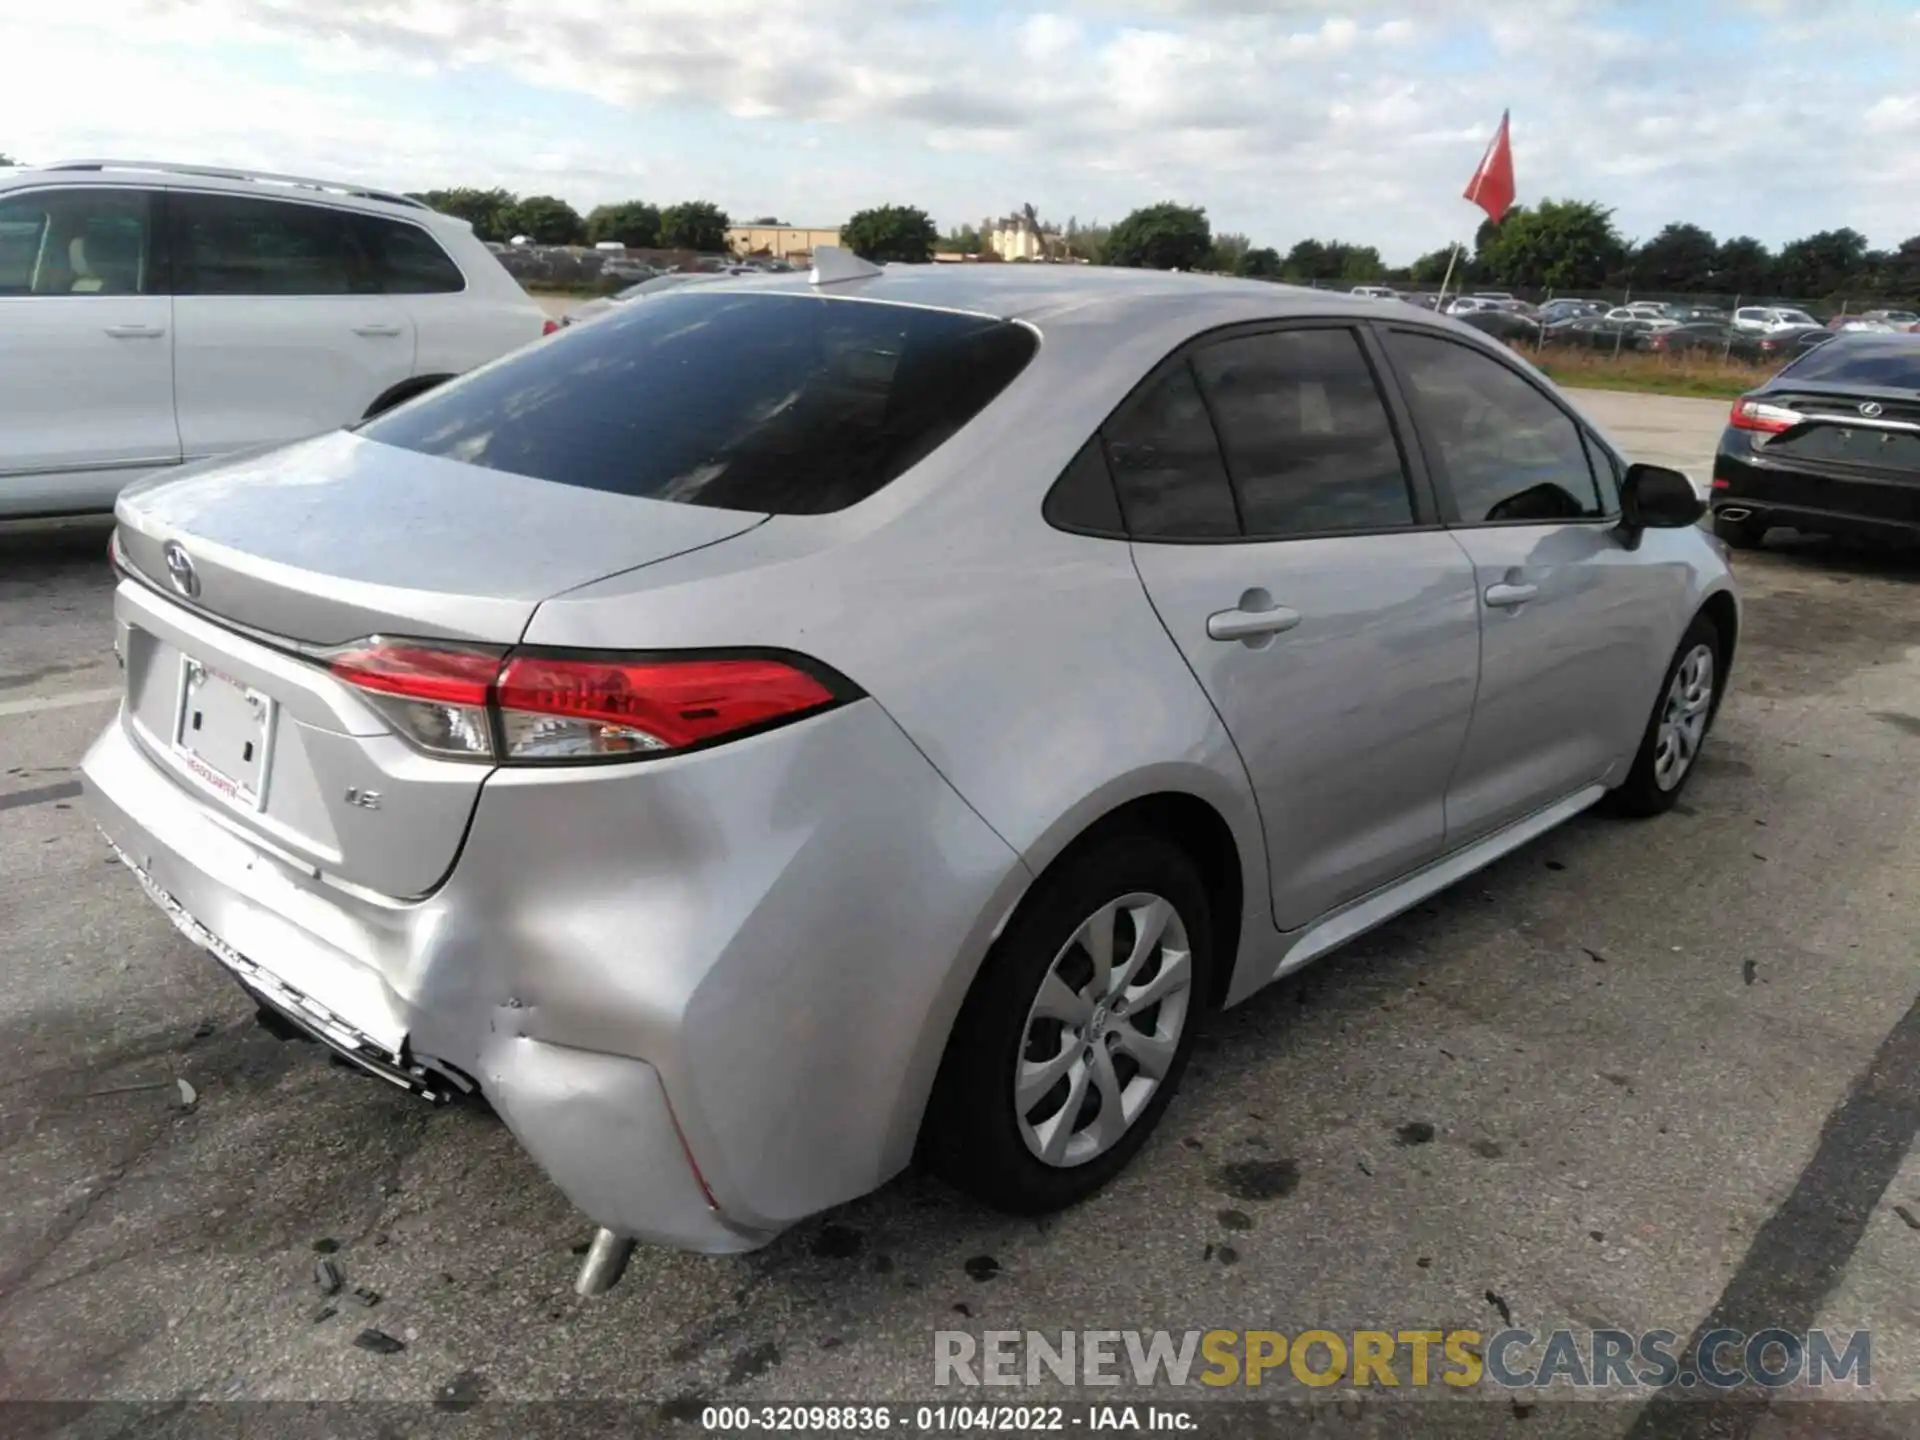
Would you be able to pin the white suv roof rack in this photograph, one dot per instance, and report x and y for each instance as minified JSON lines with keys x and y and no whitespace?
{"x":335,"y":187}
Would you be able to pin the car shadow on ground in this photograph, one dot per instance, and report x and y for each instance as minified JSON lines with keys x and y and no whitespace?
{"x":1841,"y":555}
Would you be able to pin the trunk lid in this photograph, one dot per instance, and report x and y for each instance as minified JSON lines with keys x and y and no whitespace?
{"x":330,"y":541}
{"x":338,"y":538}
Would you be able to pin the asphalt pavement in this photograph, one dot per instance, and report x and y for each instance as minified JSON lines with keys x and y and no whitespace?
{"x":1636,"y":1075}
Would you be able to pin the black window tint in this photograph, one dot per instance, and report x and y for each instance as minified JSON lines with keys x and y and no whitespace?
{"x":1166,"y":464}
{"x":85,"y":241}
{"x":1306,"y":435}
{"x":1890,"y":362}
{"x":405,"y":259}
{"x":795,"y":404}
{"x":1082,"y":498}
{"x":1510,"y":453}
{"x":236,"y":245}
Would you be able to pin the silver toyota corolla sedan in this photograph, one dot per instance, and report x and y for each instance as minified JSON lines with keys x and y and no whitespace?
{"x":791,"y":727}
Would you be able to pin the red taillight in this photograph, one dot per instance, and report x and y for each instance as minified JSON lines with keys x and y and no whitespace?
{"x":1720,"y":482}
{"x":472,"y":703}
{"x":551,"y":327}
{"x":1752,"y":414}
{"x":435,"y":695}
{"x":566,"y":708}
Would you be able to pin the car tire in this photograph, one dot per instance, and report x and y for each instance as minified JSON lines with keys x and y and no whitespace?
{"x":1682,"y":716}
{"x":976,"y":1134}
{"x":1741,"y":534}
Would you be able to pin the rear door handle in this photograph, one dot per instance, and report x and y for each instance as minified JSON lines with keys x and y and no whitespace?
{"x":136,"y":332}
{"x":1250,"y":624}
{"x":1506,"y":596}
{"x":387,"y":330}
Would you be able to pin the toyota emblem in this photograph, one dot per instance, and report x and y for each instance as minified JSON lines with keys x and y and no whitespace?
{"x":1871,"y":409}
{"x":180,"y":569}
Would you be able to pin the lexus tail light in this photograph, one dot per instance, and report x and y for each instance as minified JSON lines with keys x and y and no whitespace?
{"x":1750,"y":413}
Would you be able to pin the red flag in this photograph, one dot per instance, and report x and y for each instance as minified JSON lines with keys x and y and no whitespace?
{"x":1491,"y":187}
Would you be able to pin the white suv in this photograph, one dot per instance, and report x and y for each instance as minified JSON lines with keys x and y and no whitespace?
{"x":152,"y":315}
{"x":1770,"y":317}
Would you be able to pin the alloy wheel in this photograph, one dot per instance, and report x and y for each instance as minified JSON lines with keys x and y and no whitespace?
{"x":1683,"y":718}
{"x":1104,"y":1029}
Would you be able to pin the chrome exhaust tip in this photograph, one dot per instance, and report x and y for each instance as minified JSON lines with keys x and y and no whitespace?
{"x":606,"y":1262}
{"x":1732,"y":512}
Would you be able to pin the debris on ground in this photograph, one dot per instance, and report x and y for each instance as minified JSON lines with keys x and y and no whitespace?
{"x":379,"y":1342}
{"x":327,"y":1275}
{"x":366,"y":1299}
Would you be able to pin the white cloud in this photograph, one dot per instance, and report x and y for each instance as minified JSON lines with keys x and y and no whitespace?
{"x":1360,"y":120}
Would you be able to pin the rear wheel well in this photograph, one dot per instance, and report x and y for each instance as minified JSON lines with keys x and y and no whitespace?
{"x":1198,"y":829}
{"x":405,"y":390}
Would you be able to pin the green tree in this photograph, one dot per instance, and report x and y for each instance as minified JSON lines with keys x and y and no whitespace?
{"x":891,"y":232}
{"x":1680,"y":258}
{"x":1160,"y":237}
{"x":961,"y":240}
{"x":1743,"y":266}
{"x":1260,"y":263}
{"x":1561,"y":245}
{"x":1227,"y":253}
{"x":488,"y":211}
{"x":1359,"y":263}
{"x":1827,"y":263}
{"x":768,"y":220}
{"x":634,"y":223}
{"x":1086,"y":242}
{"x":1306,"y":261}
{"x":7,"y":160}
{"x":547,"y":220}
{"x":1431,"y":268}
{"x":696,"y":225}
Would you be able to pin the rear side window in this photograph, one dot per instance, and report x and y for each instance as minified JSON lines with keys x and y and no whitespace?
{"x":85,"y":241}
{"x":1167,"y":466}
{"x":1510,"y":453}
{"x":1308,"y":444}
{"x":406,"y":260}
{"x":795,"y":404}
{"x":1893,"y":363}
{"x":236,"y":245}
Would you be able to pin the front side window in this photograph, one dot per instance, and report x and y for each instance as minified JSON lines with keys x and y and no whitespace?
{"x":1166,"y":464}
{"x":1510,"y":453}
{"x":1308,"y":443}
{"x":238,"y":245}
{"x":795,"y":404}
{"x":84,"y":241}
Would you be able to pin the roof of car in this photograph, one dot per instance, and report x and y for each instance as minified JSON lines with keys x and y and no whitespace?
{"x":1035,"y":293}
{"x":213,"y":177}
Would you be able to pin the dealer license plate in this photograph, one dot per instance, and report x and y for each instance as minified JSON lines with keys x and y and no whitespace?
{"x":223,"y":733}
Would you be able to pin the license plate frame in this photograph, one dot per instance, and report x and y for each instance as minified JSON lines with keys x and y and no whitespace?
{"x":222,"y":725}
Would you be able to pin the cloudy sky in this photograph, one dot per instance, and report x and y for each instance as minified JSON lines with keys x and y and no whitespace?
{"x":1290,"y":118}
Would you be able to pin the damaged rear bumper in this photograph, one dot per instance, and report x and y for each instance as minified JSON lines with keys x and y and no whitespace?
{"x":706,"y":995}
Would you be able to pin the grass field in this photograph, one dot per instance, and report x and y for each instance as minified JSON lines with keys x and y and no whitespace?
{"x":1650,"y":374}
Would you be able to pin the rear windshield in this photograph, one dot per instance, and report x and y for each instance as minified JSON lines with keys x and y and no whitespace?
{"x":1893,"y":362}
{"x":795,"y":404}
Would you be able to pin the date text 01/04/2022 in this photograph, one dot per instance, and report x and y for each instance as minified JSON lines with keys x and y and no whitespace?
{"x":944,"y":1419}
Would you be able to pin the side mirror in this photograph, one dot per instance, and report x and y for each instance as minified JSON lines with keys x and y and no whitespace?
{"x":1653,"y":497}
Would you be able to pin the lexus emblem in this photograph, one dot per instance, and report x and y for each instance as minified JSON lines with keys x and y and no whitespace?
{"x":180,"y":569}
{"x":1871,"y":409}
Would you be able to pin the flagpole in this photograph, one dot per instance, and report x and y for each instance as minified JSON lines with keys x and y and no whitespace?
{"x":1452,"y":255}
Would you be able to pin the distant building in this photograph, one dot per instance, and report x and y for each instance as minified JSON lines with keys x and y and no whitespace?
{"x":1015,"y":237}
{"x":780,"y":242}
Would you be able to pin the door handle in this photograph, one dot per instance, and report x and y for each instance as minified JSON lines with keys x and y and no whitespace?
{"x":372,"y":330}
{"x":1250,"y":624}
{"x":136,"y":332}
{"x":1506,"y":596}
